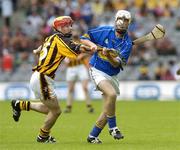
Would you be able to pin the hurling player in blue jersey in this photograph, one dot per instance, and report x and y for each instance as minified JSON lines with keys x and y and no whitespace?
{"x":105,"y":67}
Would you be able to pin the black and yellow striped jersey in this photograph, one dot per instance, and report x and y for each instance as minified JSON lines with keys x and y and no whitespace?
{"x":54,"y":49}
{"x":75,"y":62}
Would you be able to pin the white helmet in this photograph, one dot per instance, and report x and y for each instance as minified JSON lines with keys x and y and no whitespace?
{"x":123,"y":13}
{"x":122,"y":21}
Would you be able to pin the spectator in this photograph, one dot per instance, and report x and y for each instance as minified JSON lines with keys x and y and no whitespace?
{"x":144,"y":73}
{"x":21,"y":47}
{"x":99,"y":7}
{"x":165,"y":47}
{"x":86,"y":11}
{"x":167,"y":75}
{"x":159,"y":71}
{"x":120,"y":4}
{"x":36,"y":21}
{"x":143,"y":11}
{"x":173,"y":67}
{"x":7,"y":63}
{"x":177,"y":24}
{"x":7,"y":11}
{"x":168,"y":12}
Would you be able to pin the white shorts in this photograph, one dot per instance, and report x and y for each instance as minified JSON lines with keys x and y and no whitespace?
{"x":42,"y":86}
{"x":97,"y":76}
{"x":78,"y":72}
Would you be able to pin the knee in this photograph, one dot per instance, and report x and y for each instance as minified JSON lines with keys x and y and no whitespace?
{"x":71,"y":90}
{"x":57,"y":113}
{"x":112,"y":96}
{"x":85,"y":89}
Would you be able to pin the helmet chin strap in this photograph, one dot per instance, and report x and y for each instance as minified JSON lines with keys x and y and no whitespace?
{"x":68,"y":35}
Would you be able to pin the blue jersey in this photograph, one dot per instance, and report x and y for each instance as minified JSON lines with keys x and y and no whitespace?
{"x":105,"y":37}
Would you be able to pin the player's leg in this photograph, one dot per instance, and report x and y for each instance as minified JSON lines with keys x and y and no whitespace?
{"x":83,"y":76}
{"x":49,"y":99}
{"x":43,"y":88}
{"x":96,"y":77}
{"x":70,"y":96}
{"x":19,"y":105}
{"x":87,"y":97}
{"x":53,"y":114}
{"x":110,"y":95}
{"x":109,"y":86}
{"x":39,"y":107}
{"x":98,"y":127}
{"x":71,"y":74}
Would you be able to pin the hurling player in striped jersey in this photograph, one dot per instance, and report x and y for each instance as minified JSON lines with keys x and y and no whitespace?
{"x":51,"y":53}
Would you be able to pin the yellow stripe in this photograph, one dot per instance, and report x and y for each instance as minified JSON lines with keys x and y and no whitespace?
{"x":54,"y":66}
{"x":26,"y":105}
{"x":20,"y":105}
{"x":86,"y":35}
{"x":67,"y":46}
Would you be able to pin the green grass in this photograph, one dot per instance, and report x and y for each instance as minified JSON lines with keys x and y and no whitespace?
{"x":147,"y":125}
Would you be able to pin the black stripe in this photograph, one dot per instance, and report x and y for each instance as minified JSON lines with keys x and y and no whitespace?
{"x":53,"y":55}
{"x":62,"y":41}
{"x":153,"y":35}
{"x":52,"y":74}
{"x":28,"y":106}
{"x":160,"y":29}
{"x":38,"y":68}
{"x":44,"y":87}
{"x":50,"y":66}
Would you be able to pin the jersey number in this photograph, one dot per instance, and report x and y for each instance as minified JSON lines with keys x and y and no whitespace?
{"x":44,"y":51}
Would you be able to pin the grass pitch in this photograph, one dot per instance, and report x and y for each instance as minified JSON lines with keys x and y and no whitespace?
{"x":146,"y":125}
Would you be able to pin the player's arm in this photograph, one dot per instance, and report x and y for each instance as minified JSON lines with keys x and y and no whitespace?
{"x":90,"y":44}
{"x":37,"y":51}
{"x":71,"y":49}
{"x":83,"y":56}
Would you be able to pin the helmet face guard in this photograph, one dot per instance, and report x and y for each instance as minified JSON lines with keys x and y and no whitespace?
{"x":122,"y":21}
{"x":62,"y":21}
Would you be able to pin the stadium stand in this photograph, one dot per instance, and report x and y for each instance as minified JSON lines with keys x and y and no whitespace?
{"x":25,"y":23}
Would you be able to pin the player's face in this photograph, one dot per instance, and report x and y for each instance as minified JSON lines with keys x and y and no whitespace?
{"x":67,"y":29}
{"x":122,"y":23}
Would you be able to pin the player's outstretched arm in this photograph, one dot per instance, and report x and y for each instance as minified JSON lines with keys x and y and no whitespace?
{"x":90,"y":44}
{"x":85,"y":49}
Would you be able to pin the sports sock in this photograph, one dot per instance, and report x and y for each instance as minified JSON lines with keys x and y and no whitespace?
{"x":44,"y":133}
{"x":111,"y":122}
{"x":24,"y":105}
{"x":95,"y":131}
{"x":69,"y":107}
{"x":89,"y":106}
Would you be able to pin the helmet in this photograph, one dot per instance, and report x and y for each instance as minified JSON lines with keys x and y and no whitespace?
{"x":123,"y":13}
{"x":62,"y":21}
{"x":122,"y":20}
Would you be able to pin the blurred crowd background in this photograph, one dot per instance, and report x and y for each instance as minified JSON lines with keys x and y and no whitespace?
{"x":25,"y":23}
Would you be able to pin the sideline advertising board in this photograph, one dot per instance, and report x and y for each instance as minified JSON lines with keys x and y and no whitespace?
{"x":129,"y":90}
